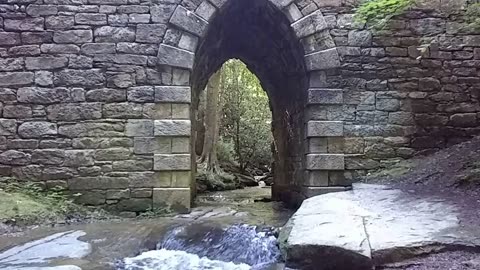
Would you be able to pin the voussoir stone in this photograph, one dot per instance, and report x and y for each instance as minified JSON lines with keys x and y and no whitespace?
{"x":37,"y":129}
{"x":310,"y":24}
{"x":188,"y":21}
{"x":168,"y":55}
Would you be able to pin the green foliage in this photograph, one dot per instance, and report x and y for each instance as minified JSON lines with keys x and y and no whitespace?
{"x":472,"y":17}
{"x":377,"y":13}
{"x":28,"y":203}
{"x":246,"y":115}
{"x":226,"y":151}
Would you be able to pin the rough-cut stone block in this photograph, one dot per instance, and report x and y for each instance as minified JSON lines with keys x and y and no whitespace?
{"x":79,"y":158}
{"x":14,"y":157}
{"x":176,"y":199}
{"x":23,"y":24}
{"x":114,"y":34}
{"x":172,"y":162}
{"x":9,"y":38}
{"x":318,"y":145}
{"x":73,"y":36}
{"x":122,"y":110}
{"x":104,"y":182}
{"x":325,"y":96}
{"x":173,"y":94}
{"x":93,"y":130}
{"x":98,"y":48}
{"x":106,"y":95}
{"x":39,"y":95}
{"x":168,"y":55}
{"x":310,"y":24}
{"x":112,"y":154}
{"x":150,"y":33}
{"x":16,"y":78}
{"x":45,"y":62}
{"x":48,"y":156}
{"x":141,"y":94}
{"x":172,"y":128}
{"x":322,"y":60}
{"x":71,"y":77}
{"x":281,"y":3}
{"x":59,"y":22}
{"x":188,"y":21}
{"x":316,"y":179}
{"x":325,"y":162}
{"x":152,"y":145}
{"x":139,"y":128}
{"x":74,"y":111}
{"x":324,"y":128}
{"x":37,"y":129}
{"x":91,"y":18}
{"x":41,"y":10}
{"x":205,"y":10}
{"x":8,"y":127}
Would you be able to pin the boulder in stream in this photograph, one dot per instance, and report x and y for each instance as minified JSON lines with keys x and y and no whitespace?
{"x":371,"y":225}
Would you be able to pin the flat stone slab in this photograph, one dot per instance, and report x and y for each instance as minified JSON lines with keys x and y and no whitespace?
{"x":371,"y":225}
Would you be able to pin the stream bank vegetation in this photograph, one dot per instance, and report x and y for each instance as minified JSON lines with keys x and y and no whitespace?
{"x":233,"y":130}
{"x":27,"y":203}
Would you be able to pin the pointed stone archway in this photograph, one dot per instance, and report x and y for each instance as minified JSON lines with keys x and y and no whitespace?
{"x":290,"y":54}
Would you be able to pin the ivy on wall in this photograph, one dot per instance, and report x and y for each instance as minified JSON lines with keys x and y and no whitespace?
{"x":472,"y":17}
{"x":377,"y":13}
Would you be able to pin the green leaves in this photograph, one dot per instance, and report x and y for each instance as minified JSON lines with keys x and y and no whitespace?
{"x":377,"y":13}
{"x":246,"y":115}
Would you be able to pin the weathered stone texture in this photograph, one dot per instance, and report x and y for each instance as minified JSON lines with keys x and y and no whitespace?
{"x":95,"y":95}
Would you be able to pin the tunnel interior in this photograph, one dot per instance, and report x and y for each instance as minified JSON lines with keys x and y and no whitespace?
{"x":260,"y":35}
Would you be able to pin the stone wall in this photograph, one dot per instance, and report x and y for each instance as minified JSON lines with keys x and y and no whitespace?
{"x":409,"y":89}
{"x":95,"y":94}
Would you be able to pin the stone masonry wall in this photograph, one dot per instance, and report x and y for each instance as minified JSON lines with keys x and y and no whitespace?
{"x":95,"y":94}
{"x":409,"y":89}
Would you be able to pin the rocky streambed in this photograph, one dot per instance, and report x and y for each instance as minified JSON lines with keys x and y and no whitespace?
{"x":372,"y":226}
{"x":227,"y":230}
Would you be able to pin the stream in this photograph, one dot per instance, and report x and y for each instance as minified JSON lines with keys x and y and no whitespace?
{"x":226,"y":230}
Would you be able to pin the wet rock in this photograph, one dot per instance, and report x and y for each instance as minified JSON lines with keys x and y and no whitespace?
{"x":371,"y":224}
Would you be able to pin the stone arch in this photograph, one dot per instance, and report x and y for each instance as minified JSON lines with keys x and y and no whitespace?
{"x":198,"y":40}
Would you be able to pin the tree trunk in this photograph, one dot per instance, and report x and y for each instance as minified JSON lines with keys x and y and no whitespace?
{"x":209,"y":154}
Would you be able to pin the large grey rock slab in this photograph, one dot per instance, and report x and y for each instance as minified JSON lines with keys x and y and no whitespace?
{"x":371,"y":225}
{"x":42,"y":251}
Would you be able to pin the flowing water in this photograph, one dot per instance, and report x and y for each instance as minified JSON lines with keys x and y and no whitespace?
{"x":227,"y":230}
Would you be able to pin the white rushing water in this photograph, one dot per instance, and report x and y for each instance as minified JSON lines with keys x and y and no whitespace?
{"x":179,"y":260}
{"x":202,"y":247}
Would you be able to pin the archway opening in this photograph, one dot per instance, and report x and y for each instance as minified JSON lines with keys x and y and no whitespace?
{"x":259,"y":34}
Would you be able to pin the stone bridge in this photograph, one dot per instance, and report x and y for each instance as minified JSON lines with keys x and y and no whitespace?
{"x":97,"y":95}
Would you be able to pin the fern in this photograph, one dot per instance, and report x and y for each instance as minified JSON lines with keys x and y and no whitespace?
{"x":378,"y":13}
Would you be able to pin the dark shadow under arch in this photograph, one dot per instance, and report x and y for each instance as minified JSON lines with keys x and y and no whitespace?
{"x":259,"y":34}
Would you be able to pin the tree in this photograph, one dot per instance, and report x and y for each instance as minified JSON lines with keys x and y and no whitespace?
{"x":211,"y":119}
